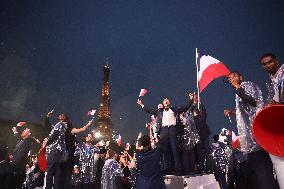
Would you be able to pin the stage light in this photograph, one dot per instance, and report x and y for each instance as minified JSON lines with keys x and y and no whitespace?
{"x":98,"y":135}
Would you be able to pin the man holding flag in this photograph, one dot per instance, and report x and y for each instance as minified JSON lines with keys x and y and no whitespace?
{"x":17,"y":176}
{"x":166,"y":118}
{"x":248,"y":102}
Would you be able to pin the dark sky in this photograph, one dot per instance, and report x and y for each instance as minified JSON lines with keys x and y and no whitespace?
{"x":52,"y":53}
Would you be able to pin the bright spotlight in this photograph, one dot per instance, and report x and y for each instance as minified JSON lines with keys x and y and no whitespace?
{"x":98,"y":135}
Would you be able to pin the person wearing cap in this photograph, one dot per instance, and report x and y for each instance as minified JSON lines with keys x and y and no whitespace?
{"x":248,"y":102}
{"x":275,"y":88}
{"x":19,"y":158}
{"x":166,"y":118}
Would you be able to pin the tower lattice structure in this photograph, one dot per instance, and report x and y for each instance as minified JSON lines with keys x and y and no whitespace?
{"x":103,"y":121}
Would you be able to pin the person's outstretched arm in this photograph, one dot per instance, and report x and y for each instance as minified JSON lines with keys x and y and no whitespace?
{"x":82,"y":129}
{"x":148,"y":110}
{"x":190,"y":104}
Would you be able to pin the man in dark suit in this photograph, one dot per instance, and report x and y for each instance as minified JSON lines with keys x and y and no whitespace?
{"x":20,"y":158}
{"x":166,"y":118}
{"x":148,"y":167}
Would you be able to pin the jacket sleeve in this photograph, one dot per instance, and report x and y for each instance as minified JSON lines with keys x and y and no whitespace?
{"x":22,"y":152}
{"x":248,"y":99}
{"x":150,"y":111}
{"x":190,"y":105}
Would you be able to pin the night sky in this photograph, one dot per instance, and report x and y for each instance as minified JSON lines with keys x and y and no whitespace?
{"x":52,"y":54}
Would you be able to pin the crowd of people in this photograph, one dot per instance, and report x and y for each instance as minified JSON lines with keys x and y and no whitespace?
{"x":178,"y":144}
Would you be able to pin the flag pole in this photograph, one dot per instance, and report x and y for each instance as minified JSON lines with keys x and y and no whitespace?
{"x":197,"y":77}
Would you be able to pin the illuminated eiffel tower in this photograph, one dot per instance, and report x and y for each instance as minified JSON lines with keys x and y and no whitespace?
{"x":103,"y":122}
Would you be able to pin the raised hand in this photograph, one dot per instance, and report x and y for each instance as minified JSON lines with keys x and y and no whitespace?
{"x":49,"y":114}
{"x":139,"y":102}
{"x":14,"y":129}
{"x":228,"y":112}
{"x":191,"y":96}
{"x":91,"y":122}
{"x":139,"y":136}
{"x":76,"y":170}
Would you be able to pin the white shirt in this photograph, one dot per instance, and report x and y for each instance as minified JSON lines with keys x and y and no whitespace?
{"x":168,"y":118}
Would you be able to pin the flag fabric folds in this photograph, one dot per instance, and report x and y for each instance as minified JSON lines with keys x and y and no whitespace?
{"x":209,"y":69}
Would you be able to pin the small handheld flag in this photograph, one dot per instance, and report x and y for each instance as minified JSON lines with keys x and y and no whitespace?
{"x":235,"y":140}
{"x":91,"y":112}
{"x":148,"y":126}
{"x":153,"y":118}
{"x":119,"y":140}
{"x":143,"y":92}
{"x":100,"y":144}
{"x":127,"y":146}
{"x":20,"y":124}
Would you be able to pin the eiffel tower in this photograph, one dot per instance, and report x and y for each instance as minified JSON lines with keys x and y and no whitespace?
{"x":103,"y":122}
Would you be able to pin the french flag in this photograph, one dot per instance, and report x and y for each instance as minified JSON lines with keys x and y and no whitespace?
{"x":20,"y":124}
{"x":209,"y":69}
{"x":153,"y":118}
{"x":235,"y":140}
{"x":100,"y":144}
{"x":127,"y":146}
{"x":228,"y":132}
{"x":143,"y":92}
{"x":119,"y":140}
{"x":91,"y":112}
{"x":148,"y":126}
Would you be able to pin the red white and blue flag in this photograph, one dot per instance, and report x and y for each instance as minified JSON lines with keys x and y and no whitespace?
{"x":127,"y":146}
{"x":119,"y":140}
{"x":153,"y":118}
{"x":148,"y":125}
{"x":210,"y":68}
{"x":91,"y":112}
{"x":21,"y":123}
{"x":100,"y":144}
{"x":143,"y":92}
{"x":235,"y":139}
